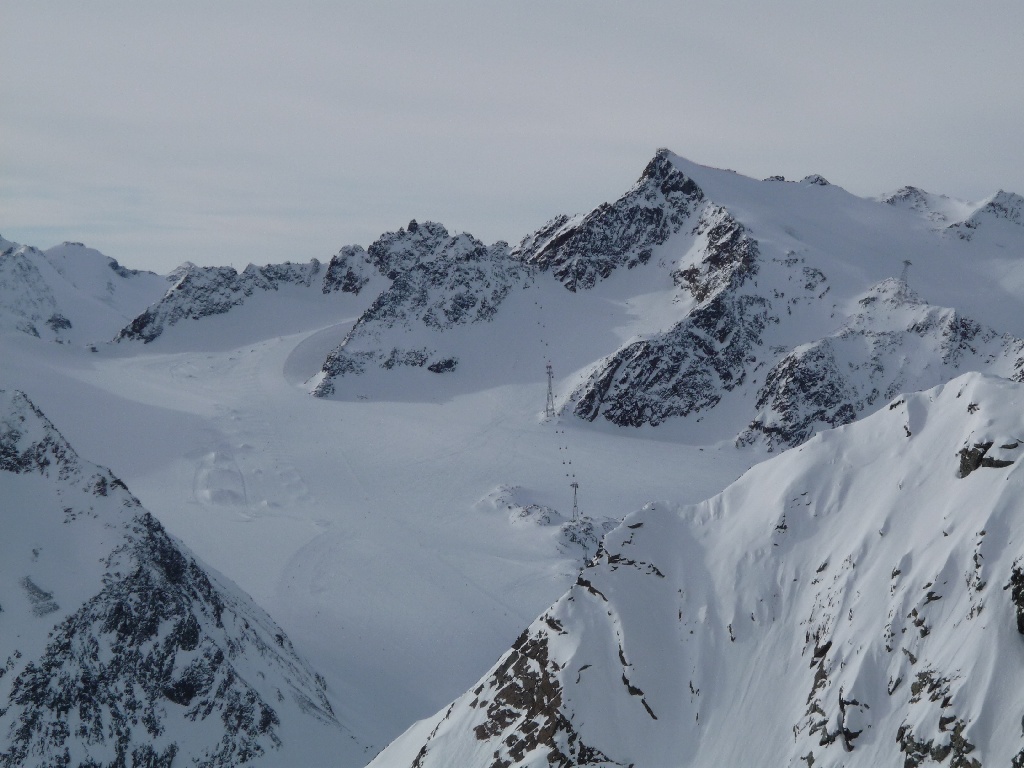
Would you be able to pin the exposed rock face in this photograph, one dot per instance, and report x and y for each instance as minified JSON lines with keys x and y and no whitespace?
{"x":439,"y":282}
{"x":687,"y":368}
{"x":806,"y":391}
{"x":1016,"y":587}
{"x":817,"y":180}
{"x":394,"y":253}
{"x":203,"y":291}
{"x":29,"y":443}
{"x":524,"y":692}
{"x":582,"y":251}
{"x":977,"y":456}
{"x":161,"y":663}
{"x":840,"y":620}
{"x":349,"y":271}
{"x":897,"y":342}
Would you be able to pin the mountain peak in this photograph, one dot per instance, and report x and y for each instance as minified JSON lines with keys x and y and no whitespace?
{"x":28,"y":441}
{"x":584,"y":250}
{"x":1001,"y":207}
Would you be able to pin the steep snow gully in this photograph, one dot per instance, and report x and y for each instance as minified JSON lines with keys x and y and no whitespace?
{"x":742,"y":456}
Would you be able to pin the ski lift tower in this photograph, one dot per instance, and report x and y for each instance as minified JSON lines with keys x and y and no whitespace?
{"x":575,"y":508}
{"x":549,"y":409}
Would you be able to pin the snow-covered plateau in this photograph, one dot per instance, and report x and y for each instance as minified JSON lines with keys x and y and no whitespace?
{"x":748,"y":448}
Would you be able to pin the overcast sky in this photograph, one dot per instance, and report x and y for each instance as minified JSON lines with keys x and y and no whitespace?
{"x":230,"y":132}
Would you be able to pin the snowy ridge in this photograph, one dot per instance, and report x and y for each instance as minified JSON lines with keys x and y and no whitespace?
{"x":865,"y":618}
{"x":938,"y":209}
{"x":69,"y":293}
{"x":117,"y":646}
{"x":201,"y":292}
{"x":1001,"y":207}
{"x":958,"y":216}
{"x":896,"y":343}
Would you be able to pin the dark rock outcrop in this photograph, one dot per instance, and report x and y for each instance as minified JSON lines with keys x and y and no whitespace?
{"x":349,"y":271}
{"x":439,"y":282}
{"x":200,"y":292}
{"x":689,"y":367}
{"x":582,"y":251}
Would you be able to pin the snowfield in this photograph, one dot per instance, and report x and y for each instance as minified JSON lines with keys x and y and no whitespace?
{"x":360,"y":445}
{"x":855,"y":601}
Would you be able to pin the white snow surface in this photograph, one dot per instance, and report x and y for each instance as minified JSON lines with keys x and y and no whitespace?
{"x":855,"y":582}
{"x":356,"y":524}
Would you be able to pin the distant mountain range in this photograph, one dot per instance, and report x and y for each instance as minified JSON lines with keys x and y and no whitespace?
{"x":771,"y":309}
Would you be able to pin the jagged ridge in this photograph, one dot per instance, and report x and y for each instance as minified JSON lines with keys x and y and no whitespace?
{"x":582,"y":251}
{"x":204,"y":291}
{"x":439,"y":282}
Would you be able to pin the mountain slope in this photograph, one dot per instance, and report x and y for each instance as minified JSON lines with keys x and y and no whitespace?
{"x":896,"y":343}
{"x":582,"y":250}
{"x":855,"y":601}
{"x":688,"y":367}
{"x":199,"y":292}
{"x":70,"y":293}
{"x":118,"y":647}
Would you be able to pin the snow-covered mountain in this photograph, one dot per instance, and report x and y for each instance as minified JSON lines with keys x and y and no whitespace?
{"x":69,"y":292}
{"x":896,"y":343}
{"x":200,"y":292}
{"x":760,"y":267}
{"x":723,"y":298}
{"x":440,"y":283}
{"x":856,"y":601}
{"x":119,"y":647}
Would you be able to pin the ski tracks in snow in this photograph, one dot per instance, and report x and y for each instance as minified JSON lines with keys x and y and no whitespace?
{"x":245,"y":465}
